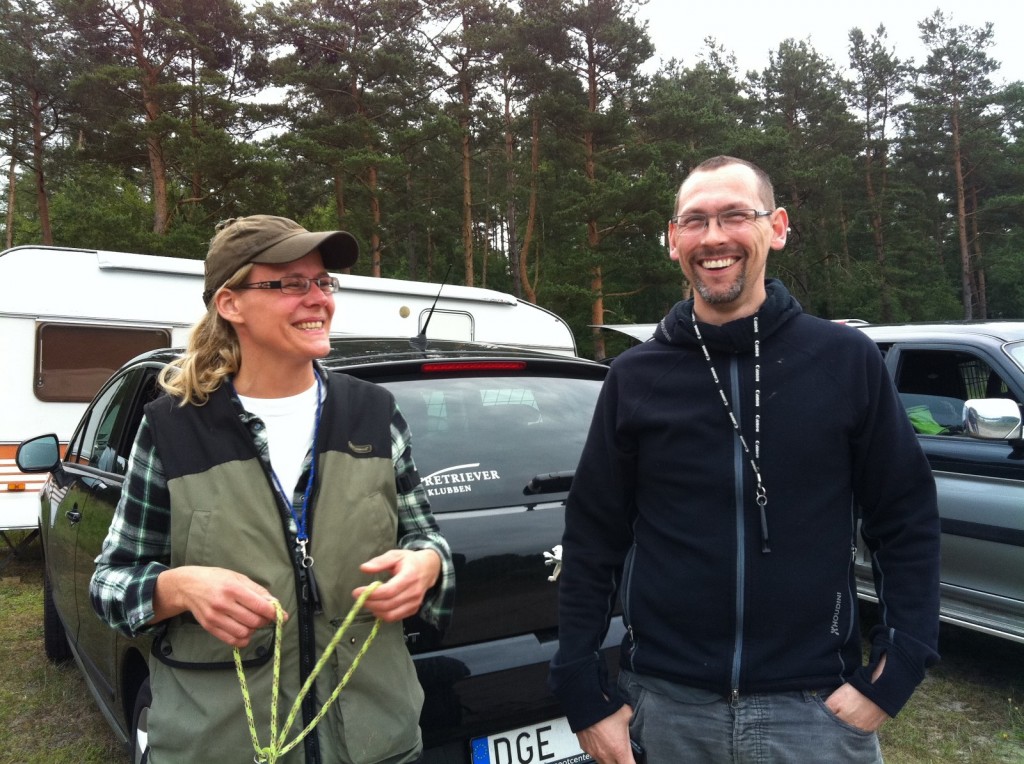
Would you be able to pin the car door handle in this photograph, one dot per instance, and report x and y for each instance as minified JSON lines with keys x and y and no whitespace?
{"x":73,"y":515}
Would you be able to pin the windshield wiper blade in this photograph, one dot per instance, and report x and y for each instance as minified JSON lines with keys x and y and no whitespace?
{"x":549,"y":482}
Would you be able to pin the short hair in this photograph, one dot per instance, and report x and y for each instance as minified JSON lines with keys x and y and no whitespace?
{"x":766,"y":191}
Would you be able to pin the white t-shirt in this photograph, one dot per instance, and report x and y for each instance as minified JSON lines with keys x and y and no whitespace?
{"x":290,"y":423}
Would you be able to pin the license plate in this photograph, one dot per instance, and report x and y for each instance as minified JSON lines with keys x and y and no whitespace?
{"x":549,"y":742}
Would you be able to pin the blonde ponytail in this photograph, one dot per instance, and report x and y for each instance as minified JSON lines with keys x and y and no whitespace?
{"x":213,"y":354}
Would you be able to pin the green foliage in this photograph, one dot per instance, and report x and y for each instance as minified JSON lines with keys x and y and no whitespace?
{"x":99,"y":208}
{"x":160,"y":122}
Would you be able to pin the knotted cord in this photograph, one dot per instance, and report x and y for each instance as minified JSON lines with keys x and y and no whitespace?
{"x":277,"y":746}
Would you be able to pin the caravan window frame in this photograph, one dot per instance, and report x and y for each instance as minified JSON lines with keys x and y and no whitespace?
{"x":73,"y":360}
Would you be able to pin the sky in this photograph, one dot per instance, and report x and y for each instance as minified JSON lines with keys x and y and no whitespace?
{"x":752,"y":29}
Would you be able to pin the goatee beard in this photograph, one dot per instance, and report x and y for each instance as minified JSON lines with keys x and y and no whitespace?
{"x":730,"y":294}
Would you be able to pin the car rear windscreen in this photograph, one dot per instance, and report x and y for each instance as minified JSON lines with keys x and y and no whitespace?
{"x":478,"y":441}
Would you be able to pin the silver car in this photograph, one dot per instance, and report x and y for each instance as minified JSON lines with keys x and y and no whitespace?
{"x":962,"y":384}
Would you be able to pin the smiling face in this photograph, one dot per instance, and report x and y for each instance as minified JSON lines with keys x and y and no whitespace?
{"x":726,"y":268}
{"x":279,"y":334}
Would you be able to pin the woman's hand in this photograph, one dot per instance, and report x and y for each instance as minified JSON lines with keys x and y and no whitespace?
{"x":227,"y":604}
{"x":412,"y":574}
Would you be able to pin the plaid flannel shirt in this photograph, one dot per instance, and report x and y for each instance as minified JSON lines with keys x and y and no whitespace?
{"x":138,"y":544}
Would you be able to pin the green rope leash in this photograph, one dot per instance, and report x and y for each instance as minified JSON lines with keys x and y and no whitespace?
{"x":277,"y":746}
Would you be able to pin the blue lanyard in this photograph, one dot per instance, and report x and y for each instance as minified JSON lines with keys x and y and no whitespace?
{"x":300,"y":515}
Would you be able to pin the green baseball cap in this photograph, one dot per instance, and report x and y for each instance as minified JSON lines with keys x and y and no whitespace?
{"x":271,"y":239}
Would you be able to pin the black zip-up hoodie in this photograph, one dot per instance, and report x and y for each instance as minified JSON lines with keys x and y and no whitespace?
{"x":662,"y":512}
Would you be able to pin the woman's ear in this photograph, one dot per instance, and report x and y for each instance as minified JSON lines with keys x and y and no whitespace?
{"x":226,"y":302}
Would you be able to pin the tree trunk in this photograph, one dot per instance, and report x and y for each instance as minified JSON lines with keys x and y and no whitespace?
{"x":38,"y":151}
{"x":597,"y":312}
{"x":529,"y":288}
{"x":486,"y":238}
{"x":154,"y":143}
{"x":511,"y":216}
{"x":375,"y":269}
{"x":12,"y":196}
{"x":593,"y":233}
{"x":467,"y":183}
{"x":339,"y":196}
{"x":980,"y":282}
{"x":411,"y":253}
{"x":966,"y":276}
{"x":878,"y":239}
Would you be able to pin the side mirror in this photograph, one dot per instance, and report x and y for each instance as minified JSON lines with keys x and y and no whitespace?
{"x":40,"y":454}
{"x":993,"y":419}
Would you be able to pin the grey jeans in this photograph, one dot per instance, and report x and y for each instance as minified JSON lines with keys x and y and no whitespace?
{"x":690,"y":725}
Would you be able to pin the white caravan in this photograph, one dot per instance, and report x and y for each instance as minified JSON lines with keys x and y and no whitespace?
{"x":70,"y":317}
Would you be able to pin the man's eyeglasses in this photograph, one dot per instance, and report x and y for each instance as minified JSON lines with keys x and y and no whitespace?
{"x":296,"y":285}
{"x":693,"y":223}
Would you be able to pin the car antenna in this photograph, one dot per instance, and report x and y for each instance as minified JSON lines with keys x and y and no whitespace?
{"x":419,"y":342}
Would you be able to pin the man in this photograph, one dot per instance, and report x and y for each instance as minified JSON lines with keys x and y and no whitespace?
{"x":718,"y":493}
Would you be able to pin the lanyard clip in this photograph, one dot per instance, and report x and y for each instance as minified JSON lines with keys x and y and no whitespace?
{"x":307,"y":561}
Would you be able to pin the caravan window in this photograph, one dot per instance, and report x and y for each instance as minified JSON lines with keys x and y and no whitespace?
{"x":448,"y":325}
{"x":74,"y":360}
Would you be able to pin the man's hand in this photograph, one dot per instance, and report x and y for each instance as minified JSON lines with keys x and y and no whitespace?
{"x":607,"y":742}
{"x":853,"y":708}
{"x":412,"y":573}
{"x":227,"y":604}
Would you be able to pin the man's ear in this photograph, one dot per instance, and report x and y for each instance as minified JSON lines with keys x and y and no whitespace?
{"x":780,"y":228}
{"x":673,"y":253}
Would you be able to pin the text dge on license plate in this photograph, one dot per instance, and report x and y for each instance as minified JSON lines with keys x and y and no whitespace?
{"x":550,"y":742}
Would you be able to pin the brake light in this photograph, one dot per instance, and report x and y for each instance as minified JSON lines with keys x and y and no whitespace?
{"x":436,"y":367}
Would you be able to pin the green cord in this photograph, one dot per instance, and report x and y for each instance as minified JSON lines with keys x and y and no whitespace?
{"x":277,"y":746}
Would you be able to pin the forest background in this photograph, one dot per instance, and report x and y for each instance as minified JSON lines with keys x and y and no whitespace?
{"x":524,"y":147}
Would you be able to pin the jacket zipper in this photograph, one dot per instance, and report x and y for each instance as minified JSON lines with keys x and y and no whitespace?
{"x":310,"y":606}
{"x":308,"y":597}
{"x":739,"y":488}
{"x":627,"y":579}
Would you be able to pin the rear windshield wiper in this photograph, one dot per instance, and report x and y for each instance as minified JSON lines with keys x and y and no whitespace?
{"x":550,"y":482}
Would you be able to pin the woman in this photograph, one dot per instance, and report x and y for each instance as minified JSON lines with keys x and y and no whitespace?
{"x":225,"y":509}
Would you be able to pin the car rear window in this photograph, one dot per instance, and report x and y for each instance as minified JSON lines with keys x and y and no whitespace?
{"x":478,"y":441}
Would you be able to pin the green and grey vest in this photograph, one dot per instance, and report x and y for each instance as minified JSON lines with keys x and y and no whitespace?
{"x":226,"y":513}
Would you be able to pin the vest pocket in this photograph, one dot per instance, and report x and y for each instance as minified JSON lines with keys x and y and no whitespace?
{"x":188,"y":645}
{"x":194,"y":551}
{"x":380,"y":706}
{"x":381,"y":517}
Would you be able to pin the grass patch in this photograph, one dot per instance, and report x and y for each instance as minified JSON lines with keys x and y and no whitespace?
{"x":968,"y":709}
{"x":47,"y":715}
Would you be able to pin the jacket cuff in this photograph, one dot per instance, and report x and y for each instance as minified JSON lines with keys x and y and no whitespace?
{"x":905,"y":663}
{"x":582,"y":688}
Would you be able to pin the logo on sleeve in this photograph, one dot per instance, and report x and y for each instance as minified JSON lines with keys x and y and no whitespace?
{"x":835,"y":614}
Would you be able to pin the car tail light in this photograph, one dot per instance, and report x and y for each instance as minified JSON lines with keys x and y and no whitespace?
{"x":440,"y":367}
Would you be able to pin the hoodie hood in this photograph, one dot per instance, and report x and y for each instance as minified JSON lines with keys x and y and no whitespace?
{"x":735,"y":336}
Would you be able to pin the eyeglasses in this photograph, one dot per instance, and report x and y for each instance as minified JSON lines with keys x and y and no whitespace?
{"x":693,"y":223}
{"x":296,"y":285}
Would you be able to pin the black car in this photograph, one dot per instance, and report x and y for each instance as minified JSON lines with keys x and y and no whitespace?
{"x":496,"y":436}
